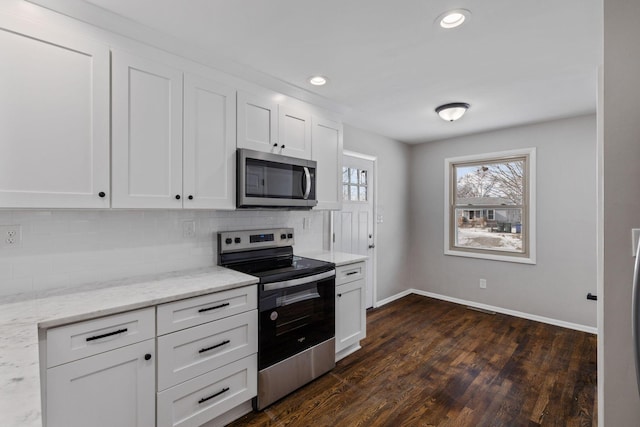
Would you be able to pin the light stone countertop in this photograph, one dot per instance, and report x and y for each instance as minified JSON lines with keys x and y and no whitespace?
{"x":20,"y":318}
{"x":338,"y":258}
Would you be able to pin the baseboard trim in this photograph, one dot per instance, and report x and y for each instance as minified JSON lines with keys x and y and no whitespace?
{"x":534,"y":317}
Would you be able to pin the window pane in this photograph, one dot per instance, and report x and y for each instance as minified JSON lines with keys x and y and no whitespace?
{"x":496,"y":183}
{"x":353,"y":196}
{"x":363,"y":177}
{"x":353,"y":176}
{"x":345,"y":175}
{"x":345,"y":192}
{"x":503,"y":233}
{"x":363,"y":194}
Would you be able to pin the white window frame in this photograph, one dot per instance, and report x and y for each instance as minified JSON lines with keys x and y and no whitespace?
{"x":529,"y":257}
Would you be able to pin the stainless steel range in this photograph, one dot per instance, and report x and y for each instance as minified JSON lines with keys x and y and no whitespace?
{"x":296,"y":303}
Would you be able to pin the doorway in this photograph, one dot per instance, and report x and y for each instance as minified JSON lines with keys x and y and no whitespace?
{"x":354,"y":225}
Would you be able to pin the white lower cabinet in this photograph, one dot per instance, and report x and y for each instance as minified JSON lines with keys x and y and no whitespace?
{"x":207,"y":396}
{"x":102,"y":372}
{"x":351,"y":320}
{"x":114,"y":388}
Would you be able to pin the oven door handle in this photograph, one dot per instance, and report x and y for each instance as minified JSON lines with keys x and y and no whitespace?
{"x":299,"y":297}
{"x":299,"y":281}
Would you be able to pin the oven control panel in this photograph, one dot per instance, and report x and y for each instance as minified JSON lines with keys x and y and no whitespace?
{"x":242,"y":240}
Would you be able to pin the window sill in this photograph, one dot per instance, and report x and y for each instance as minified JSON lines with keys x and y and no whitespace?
{"x":491,"y":257}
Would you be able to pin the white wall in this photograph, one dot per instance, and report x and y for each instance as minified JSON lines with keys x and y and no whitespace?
{"x":72,"y":247}
{"x":392,"y":202}
{"x":620,"y":144}
{"x":556,"y":287}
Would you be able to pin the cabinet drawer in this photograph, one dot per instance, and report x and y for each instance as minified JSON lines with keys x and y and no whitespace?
{"x":350,"y":273}
{"x":191,"y":352}
{"x":205,"y":397}
{"x":83,"y":339}
{"x":178,"y":315}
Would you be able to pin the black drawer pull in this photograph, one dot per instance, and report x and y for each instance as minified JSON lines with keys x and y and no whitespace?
{"x":214,"y":307}
{"x":214,"y":346}
{"x":108,"y":334}
{"x":352,"y":273}
{"x":204,"y":399}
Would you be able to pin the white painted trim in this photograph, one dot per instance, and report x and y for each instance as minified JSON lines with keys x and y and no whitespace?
{"x":528,"y":316}
{"x":600,"y":241}
{"x":348,"y":351}
{"x":394,"y":297}
{"x":360,"y":155}
{"x":531,"y":155}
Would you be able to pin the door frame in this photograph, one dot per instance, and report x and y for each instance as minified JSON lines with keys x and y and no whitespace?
{"x":373,"y":258}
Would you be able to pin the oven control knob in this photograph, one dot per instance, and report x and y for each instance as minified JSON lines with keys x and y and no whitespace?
{"x":237,"y":240}
{"x":228,"y":241}
{"x":283,"y":236}
{"x":274,"y":315}
{"x":290,"y":235}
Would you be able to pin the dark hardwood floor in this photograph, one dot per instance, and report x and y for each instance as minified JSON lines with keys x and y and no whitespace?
{"x":431,"y":363}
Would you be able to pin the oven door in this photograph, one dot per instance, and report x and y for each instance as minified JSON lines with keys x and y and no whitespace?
{"x":272,"y":180}
{"x":294,"y":316}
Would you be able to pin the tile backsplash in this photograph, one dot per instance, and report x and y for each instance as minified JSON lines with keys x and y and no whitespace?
{"x":62,"y":248}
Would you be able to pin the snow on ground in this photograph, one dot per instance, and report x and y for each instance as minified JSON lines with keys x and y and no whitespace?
{"x":484,"y":238}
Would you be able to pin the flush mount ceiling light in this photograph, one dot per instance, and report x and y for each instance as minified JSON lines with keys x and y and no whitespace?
{"x":453,"y":111}
{"x":453,"y":18}
{"x":318,"y":80}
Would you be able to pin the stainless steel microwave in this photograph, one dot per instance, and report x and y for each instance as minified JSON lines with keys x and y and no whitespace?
{"x":267,"y":180}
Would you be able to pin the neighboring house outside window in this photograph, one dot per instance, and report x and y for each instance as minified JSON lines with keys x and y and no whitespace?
{"x":490,"y":206}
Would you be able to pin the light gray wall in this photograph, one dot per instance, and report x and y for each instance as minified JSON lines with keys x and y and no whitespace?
{"x":620,"y":144}
{"x":393,"y":202}
{"x":556,"y":287}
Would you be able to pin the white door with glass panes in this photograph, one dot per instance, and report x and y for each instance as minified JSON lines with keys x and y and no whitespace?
{"x":353,"y":225}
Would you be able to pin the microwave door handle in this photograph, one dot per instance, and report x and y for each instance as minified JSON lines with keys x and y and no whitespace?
{"x":307,"y":187}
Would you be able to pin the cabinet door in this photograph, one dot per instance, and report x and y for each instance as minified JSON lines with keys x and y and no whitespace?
{"x":326,"y":139}
{"x":257,"y":123}
{"x":351,"y":321}
{"x":54,"y":121}
{"x":209,"y":144}
{"x":147,"y":133}
{"x":294,"y":132}
{"x":116,"y":388}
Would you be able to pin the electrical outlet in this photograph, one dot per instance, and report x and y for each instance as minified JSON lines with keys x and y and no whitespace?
{"x":189,"y":229}
{"x":10,"y":236}
{"x":635,"y":235}
{"x":483,"y":283}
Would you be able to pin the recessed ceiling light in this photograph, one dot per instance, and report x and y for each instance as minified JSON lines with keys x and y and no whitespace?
{"x":318,"y":80}
{"x":453,"y":111}
{"x":453,"y":18}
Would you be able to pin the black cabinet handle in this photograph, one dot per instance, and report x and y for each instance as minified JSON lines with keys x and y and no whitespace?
{"x":108,"y":334}
{"x":214,"y":346}
{"x":352,"y":273}
{"x":275,"y":144}
{"x":204,"y":399}
{"x":282,"y":146}
{"x":339,"y":295}
{"x":102,"y":194}
{"x":177,"y":197}
{"x":190,"y":197}
{"x":214,"y":307}
{"x":147,"y":356}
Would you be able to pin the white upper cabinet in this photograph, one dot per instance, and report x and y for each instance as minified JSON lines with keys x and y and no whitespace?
{"x":54,"y":121}
{"x":209,"y":144}
{"x":294,"y":132}
{"x":257,"y":123}
{"x":266,"y":126}
{"x":327,"y":145}
{"x":147,"y":133}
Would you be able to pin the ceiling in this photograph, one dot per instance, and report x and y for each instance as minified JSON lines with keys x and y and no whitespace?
{"x":389,"y":65}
